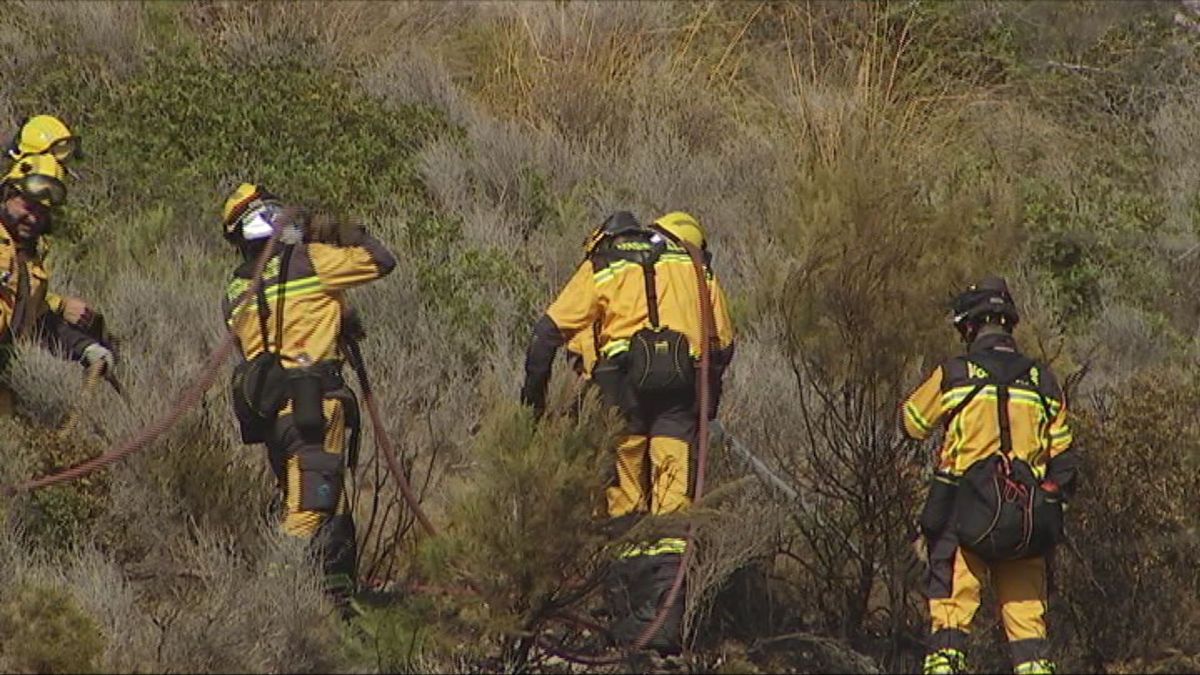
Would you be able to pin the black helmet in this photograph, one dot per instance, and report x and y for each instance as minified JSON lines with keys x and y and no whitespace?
{"x":617,"y":223}
{"x":985,"y":302}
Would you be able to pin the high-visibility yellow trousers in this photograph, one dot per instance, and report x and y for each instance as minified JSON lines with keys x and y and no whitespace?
{"x":654,"y":461}
{"x":315,"y":503}
{"x":955,"y":580}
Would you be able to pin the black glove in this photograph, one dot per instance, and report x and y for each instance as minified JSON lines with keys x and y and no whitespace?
{"x":352,"y":327}
{"x":534,"y":396}
{"x":325,"y":229}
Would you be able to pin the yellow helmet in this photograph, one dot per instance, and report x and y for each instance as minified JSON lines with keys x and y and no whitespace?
{"x":682,"y":226}
{"x":243,"y":204}
{"x":39,"y":178}
{"x":45,"y":135}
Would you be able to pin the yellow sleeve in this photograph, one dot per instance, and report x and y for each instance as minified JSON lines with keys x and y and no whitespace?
{"x":922,"y":410}
{"x":1060,"y":432}
{"x":721,"y":316}
{"x":341,"y":267}
{"x":578,"y":305}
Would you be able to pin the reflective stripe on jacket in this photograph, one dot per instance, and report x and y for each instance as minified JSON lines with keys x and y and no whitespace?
{"x":613,"y":292}
{"x":1036,"y":409}
{"x":313,"y":301}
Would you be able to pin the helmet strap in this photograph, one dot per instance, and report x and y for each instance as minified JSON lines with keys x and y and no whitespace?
{"x":968,"y":330}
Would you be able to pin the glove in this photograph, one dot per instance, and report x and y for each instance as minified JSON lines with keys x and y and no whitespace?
{"x":321,"y":229}
{"x":324,"y":229}
{"x":534,"y":397}
{"x":97,"y":352}
{"x":77,"y":313}
{"x":352,"y":328}
{"x":351,"y":234}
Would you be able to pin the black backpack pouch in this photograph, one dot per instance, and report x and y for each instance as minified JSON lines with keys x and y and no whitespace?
{"x":660,"y":362}
{"x":259,"y":391}
{"x":1002,"y":512}
{"x":320,"y":479}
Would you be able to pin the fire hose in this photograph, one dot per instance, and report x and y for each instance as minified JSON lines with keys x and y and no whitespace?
{"x":192,"y":394}
{"x":185,"y":401}
{"x":707,"y":335}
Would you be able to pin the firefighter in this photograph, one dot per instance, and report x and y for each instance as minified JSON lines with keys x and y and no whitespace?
{"x":636,"y":292}
{"x":289,"y":391}
{"x":27,"y":196}
{"x":1005,"y":426}
{"x":43,"y":135}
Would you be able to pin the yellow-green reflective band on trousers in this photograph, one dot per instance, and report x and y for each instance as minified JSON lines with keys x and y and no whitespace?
{"x":1039,"y":667}
{"x":338,"y":581}
{"x":945,"y":662}
{"x":661,"y":547}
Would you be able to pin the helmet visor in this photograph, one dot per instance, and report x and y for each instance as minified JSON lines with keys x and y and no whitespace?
{"x":258,"y":222}
{"x":45,"y":190}
{"x":65,"y":148}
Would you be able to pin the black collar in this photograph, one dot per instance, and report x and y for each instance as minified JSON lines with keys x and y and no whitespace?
{"x":993,"y":341}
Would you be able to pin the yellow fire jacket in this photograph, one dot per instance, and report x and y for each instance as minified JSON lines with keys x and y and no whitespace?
{"x":606,"y":297}
{"x":613,"y":293}
{"x":42,"y":309}
{"x":1036,"y":409}
{"x":313,"y":299}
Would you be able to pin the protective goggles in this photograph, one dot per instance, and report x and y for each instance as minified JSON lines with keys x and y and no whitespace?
{"x":45,"y":190}
{"x":65,"y":149}
{"x":258,"y":222}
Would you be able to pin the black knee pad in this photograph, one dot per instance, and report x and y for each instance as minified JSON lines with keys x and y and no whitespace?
{"x":338,"y":545}
{"x":320,"y":479}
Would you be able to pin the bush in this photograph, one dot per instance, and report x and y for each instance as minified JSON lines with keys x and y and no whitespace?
{"x":45,"y":631}
{"x":523,"y":535}
{"x":1133,"y":527}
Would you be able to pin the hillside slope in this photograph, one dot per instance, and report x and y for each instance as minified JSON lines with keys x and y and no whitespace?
{"x":855,"y":163}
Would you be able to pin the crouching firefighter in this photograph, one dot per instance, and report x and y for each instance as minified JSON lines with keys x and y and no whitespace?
{"x":28,"y":194}
{"x":1005,"y":469}
{"x":289,"y":392}
{"x":636,"y":291}
{"x":46,"y":136}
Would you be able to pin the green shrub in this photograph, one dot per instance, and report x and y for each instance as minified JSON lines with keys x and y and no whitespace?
{"x":42,"y":630}
{"x":523,"y":527}
{"x":189,"y":123}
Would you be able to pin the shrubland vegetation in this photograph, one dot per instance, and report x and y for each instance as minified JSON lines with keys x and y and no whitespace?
{"x":854,"y":163}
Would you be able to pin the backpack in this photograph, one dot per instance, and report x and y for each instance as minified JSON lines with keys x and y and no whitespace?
{"x":1001,"y":511}
{"x":259,"y":387}
{"x":659,"y":361}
